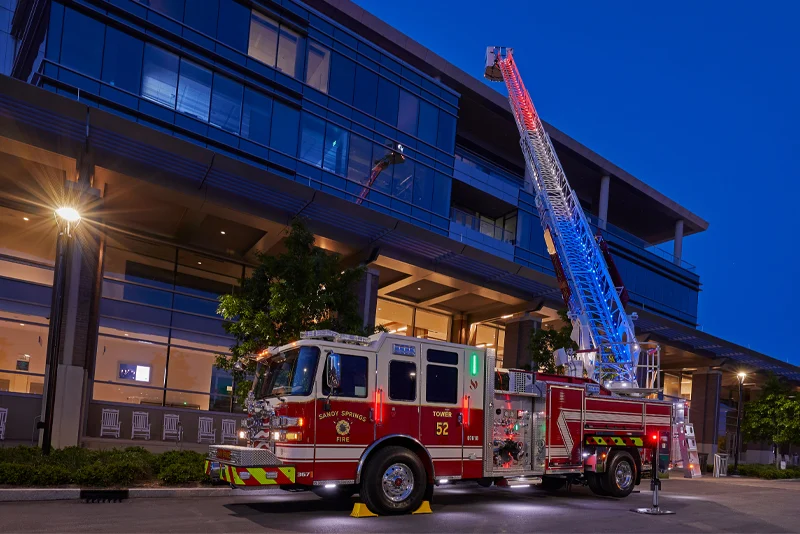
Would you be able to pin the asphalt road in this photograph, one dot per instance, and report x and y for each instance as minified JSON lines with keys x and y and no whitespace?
{"x":701,"y":505}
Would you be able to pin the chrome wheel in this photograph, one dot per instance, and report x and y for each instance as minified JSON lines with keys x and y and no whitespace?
{"x":623,"y":475}
{"x":398,"y":482}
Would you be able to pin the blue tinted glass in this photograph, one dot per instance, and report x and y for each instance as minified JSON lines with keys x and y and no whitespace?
{"x":388,"y":97}
{"x":202,"y":15}
{"x":360,"y":160}
{"x":447,"y":132}
{"x":285,"y":123}
{"x":233,"y":27}
{"x":442,"y":356}
{"x":82,"y":43}
{"x":366,"y":93}
{"x":441,"y":384}
{"x":423,"y":186}
{"x":407,"y":114}
{"x":226,"y":104}
{"x":334,"y":157}
{"x":441,"y":194}
{"x":291,"y":53}
{"x":343,"y":78}
{"x":318,"y":67}
{"x":194,"y":90}
{"x":122,"y":60}
{"x":428,"y":122}
{"x":159,"y":75}
{"x":403,"y":181}
{"x":256,"y":116}
{"x":171,"y":8}
{"x":312,"y":135}
{"x":263,"y":44}
{"x":384,"y":162}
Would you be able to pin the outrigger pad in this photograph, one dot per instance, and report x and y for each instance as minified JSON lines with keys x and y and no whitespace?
{"x":360,"y":510}
{"x":424,"y":508}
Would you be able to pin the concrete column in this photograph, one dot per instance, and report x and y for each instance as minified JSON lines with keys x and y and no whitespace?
{"x":704,"y":409}
{"x":79,"y":327}
{"x":518,"y":337}
{"x":459,"y":329}
{"x":678,"y":246}
{"x":602,"y":213}
{"x":368,"y":297}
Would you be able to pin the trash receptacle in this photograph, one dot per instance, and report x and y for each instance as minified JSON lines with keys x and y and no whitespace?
{"x":703,"y":457}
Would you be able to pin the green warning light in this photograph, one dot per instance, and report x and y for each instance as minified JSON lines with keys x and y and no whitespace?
{"x":473,"y":364}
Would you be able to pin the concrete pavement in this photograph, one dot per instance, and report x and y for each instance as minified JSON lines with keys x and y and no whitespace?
{"x":701,"y":505}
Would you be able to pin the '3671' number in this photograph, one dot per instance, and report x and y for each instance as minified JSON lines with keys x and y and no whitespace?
{"x":441,"y":429}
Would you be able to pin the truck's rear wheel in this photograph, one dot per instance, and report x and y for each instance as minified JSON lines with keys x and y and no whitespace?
{"x":595,"y":484}
{"x":620,"y":477}
{"x":394,"y":482}
{"x":553,"y":483}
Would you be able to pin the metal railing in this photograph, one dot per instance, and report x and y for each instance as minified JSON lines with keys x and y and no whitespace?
{"x":486,"y":228}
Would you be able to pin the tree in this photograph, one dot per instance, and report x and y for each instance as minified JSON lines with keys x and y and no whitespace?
{"x":775,"y":417}
{"x":303,"y":288}
{"x":546,"y":341}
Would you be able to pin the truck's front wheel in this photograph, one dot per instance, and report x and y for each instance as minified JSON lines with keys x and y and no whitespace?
{"x":394,"y":482}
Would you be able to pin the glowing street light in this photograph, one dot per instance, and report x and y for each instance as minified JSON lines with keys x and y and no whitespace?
{"x":68,"y":214}
{"x":741,"y":375}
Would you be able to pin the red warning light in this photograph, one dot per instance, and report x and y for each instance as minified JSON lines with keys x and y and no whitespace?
{"x":655,"y":437}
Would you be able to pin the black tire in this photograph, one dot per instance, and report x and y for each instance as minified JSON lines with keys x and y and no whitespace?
{"x":394,"y":482}
{"x":594,"y":480}
{"x":339,"y":493}
{"x":620,"y":476}
{"x":485,"y":482}
{"x":553,"y":483}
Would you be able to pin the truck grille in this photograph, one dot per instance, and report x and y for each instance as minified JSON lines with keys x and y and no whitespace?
{"x":242,"y":456}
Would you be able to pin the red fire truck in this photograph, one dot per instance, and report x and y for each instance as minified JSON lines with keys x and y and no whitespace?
{"x":390,"y":417}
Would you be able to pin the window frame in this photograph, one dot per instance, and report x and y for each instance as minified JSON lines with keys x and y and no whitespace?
{"x":324,"y":386}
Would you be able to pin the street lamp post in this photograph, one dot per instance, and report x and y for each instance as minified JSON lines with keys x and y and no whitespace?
{"x":741,"y":377}
{"x":67,"y":219}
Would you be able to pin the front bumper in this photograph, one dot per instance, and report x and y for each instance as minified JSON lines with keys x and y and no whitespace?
{"x":250,"y":476}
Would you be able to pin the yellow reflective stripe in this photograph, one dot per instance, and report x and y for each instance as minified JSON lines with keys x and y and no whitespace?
{"x":261,"y":476}
{"x":288,"y":472}
{"x":618,"y":441}
{"x":236,"y":480}
{"x":638,"y":442}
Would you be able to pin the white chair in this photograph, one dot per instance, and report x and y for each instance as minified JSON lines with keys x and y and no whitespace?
{"x":3,"y":417}
{"x":206,"y":433}
{"x":172,"y":427}
{"x":109,"y":424}
{"x":229,"y":432}
{"x":140,"y":427}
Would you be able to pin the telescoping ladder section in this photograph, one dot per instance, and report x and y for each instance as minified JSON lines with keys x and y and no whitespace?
{"x":594,"y":301}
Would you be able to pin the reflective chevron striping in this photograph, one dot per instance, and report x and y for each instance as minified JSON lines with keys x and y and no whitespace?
{"x":257,"y":476}
{"x":620,"y":441}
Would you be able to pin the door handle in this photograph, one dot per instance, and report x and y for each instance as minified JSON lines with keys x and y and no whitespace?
{"x":461,"y":419}
{"x":372,"y":415}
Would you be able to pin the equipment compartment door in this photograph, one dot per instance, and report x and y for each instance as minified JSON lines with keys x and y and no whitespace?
{"x":564,"y":428}
{"x":441,"y":428}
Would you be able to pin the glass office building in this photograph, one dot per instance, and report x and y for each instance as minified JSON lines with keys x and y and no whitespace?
{"x":198,"y":129}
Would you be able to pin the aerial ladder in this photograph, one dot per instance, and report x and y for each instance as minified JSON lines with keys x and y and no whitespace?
{"x":608,"y":349}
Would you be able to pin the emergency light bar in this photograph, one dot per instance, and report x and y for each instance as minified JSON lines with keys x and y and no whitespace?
{"x":335,"y":336}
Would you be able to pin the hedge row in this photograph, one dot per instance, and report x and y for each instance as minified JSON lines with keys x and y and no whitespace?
{"x":26,"y":466}
{"x":767,"y":471}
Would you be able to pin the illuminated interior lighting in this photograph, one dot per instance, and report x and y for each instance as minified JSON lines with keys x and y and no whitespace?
{"x":222,"y":232}
{"x":392,"y":331}
{"x":481,"y":345}
{"x":199,"y":263}
{"x":25,"y":219}
{"x":402,"y":329}
{"x":509,"y":316}
{"x":242,"y":434}
{"x":419,"y":289}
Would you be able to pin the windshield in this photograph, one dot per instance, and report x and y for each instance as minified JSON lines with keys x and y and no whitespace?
{"x":289,"y":373}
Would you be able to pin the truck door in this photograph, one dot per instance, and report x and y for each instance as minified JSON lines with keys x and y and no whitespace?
{"x":441,"y":429}
{"x":564,"y":428}
{"x":397,"y":397}
{"x":343,"y":422}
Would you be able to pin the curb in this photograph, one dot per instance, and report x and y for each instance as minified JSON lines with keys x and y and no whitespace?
{"x":70,"y":494}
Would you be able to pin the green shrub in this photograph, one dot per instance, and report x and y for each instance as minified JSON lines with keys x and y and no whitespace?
{"x":49,"y":475}
{"x":14,"y":474}
{"x":92,"y":476}
{"x":768,"y":471}
{"x":181,"y":473}
{"x":20,"y":455}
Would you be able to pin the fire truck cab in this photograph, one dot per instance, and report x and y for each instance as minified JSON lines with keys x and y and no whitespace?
{"x":390,"y":416}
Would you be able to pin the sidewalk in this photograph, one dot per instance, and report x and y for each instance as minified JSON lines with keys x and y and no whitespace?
{"x":68,"y":494}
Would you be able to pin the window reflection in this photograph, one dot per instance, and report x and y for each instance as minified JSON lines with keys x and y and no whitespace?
{"x":159,"y":75}
{"x":312,"y":135}
{"x":318,"y":66}
{"x":396,"y":318}
{"x":194,"y":90}
{"x":335,"y":151}
{"x":290,"y":53}
{"x":263,"y":39}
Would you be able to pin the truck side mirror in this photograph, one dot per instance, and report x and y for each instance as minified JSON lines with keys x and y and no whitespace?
{"x":334,"y":371}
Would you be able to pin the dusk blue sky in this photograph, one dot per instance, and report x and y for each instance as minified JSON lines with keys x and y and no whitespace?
{"x":697,"y":99}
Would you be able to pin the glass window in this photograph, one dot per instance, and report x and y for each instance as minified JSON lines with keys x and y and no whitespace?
{"x":263,"y":39}
{"x":360,"y":162}
{"x":486,"y":336}
{"x":159,"y":75}
{"x":402,"y":381}
{"x":396,"y":318}
{"x":122,"y":60}
{"x":403,"y":180}
{"x":429,"y":325}
{"x":428,"y":122}
{"x":194,"y":90}
{"x":342,"y":78}
{"x":312,"y":135}
{"x":226,"y":104}
{"x":441,"y":384}
{"x":334,"y":157}
{"x":501,"y":344}
{"x":423,"y":186}
{"x":202,"y":15}
{"x":285,"y":124}
{"x":366,"y":91}
{"x":191,"y":371}
{"x":442,"y":356}
{"x":447,"y":132}
{"x":290,"y":53}
{"x":318,"y":66}
{"x":290,"y":373}
{"x":384,"y":159}
{"x":114,"y":356}
{"x":256,"y":116}
{"x":233,"y":25}
{"x":23,"y":348}
{"x":171,"y":8}
{"x":82,"y":43}
{"x":441,"y":194}
{"x":354,"y":377}
{"x":388,"y":97}
{"x":408,"y":112}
